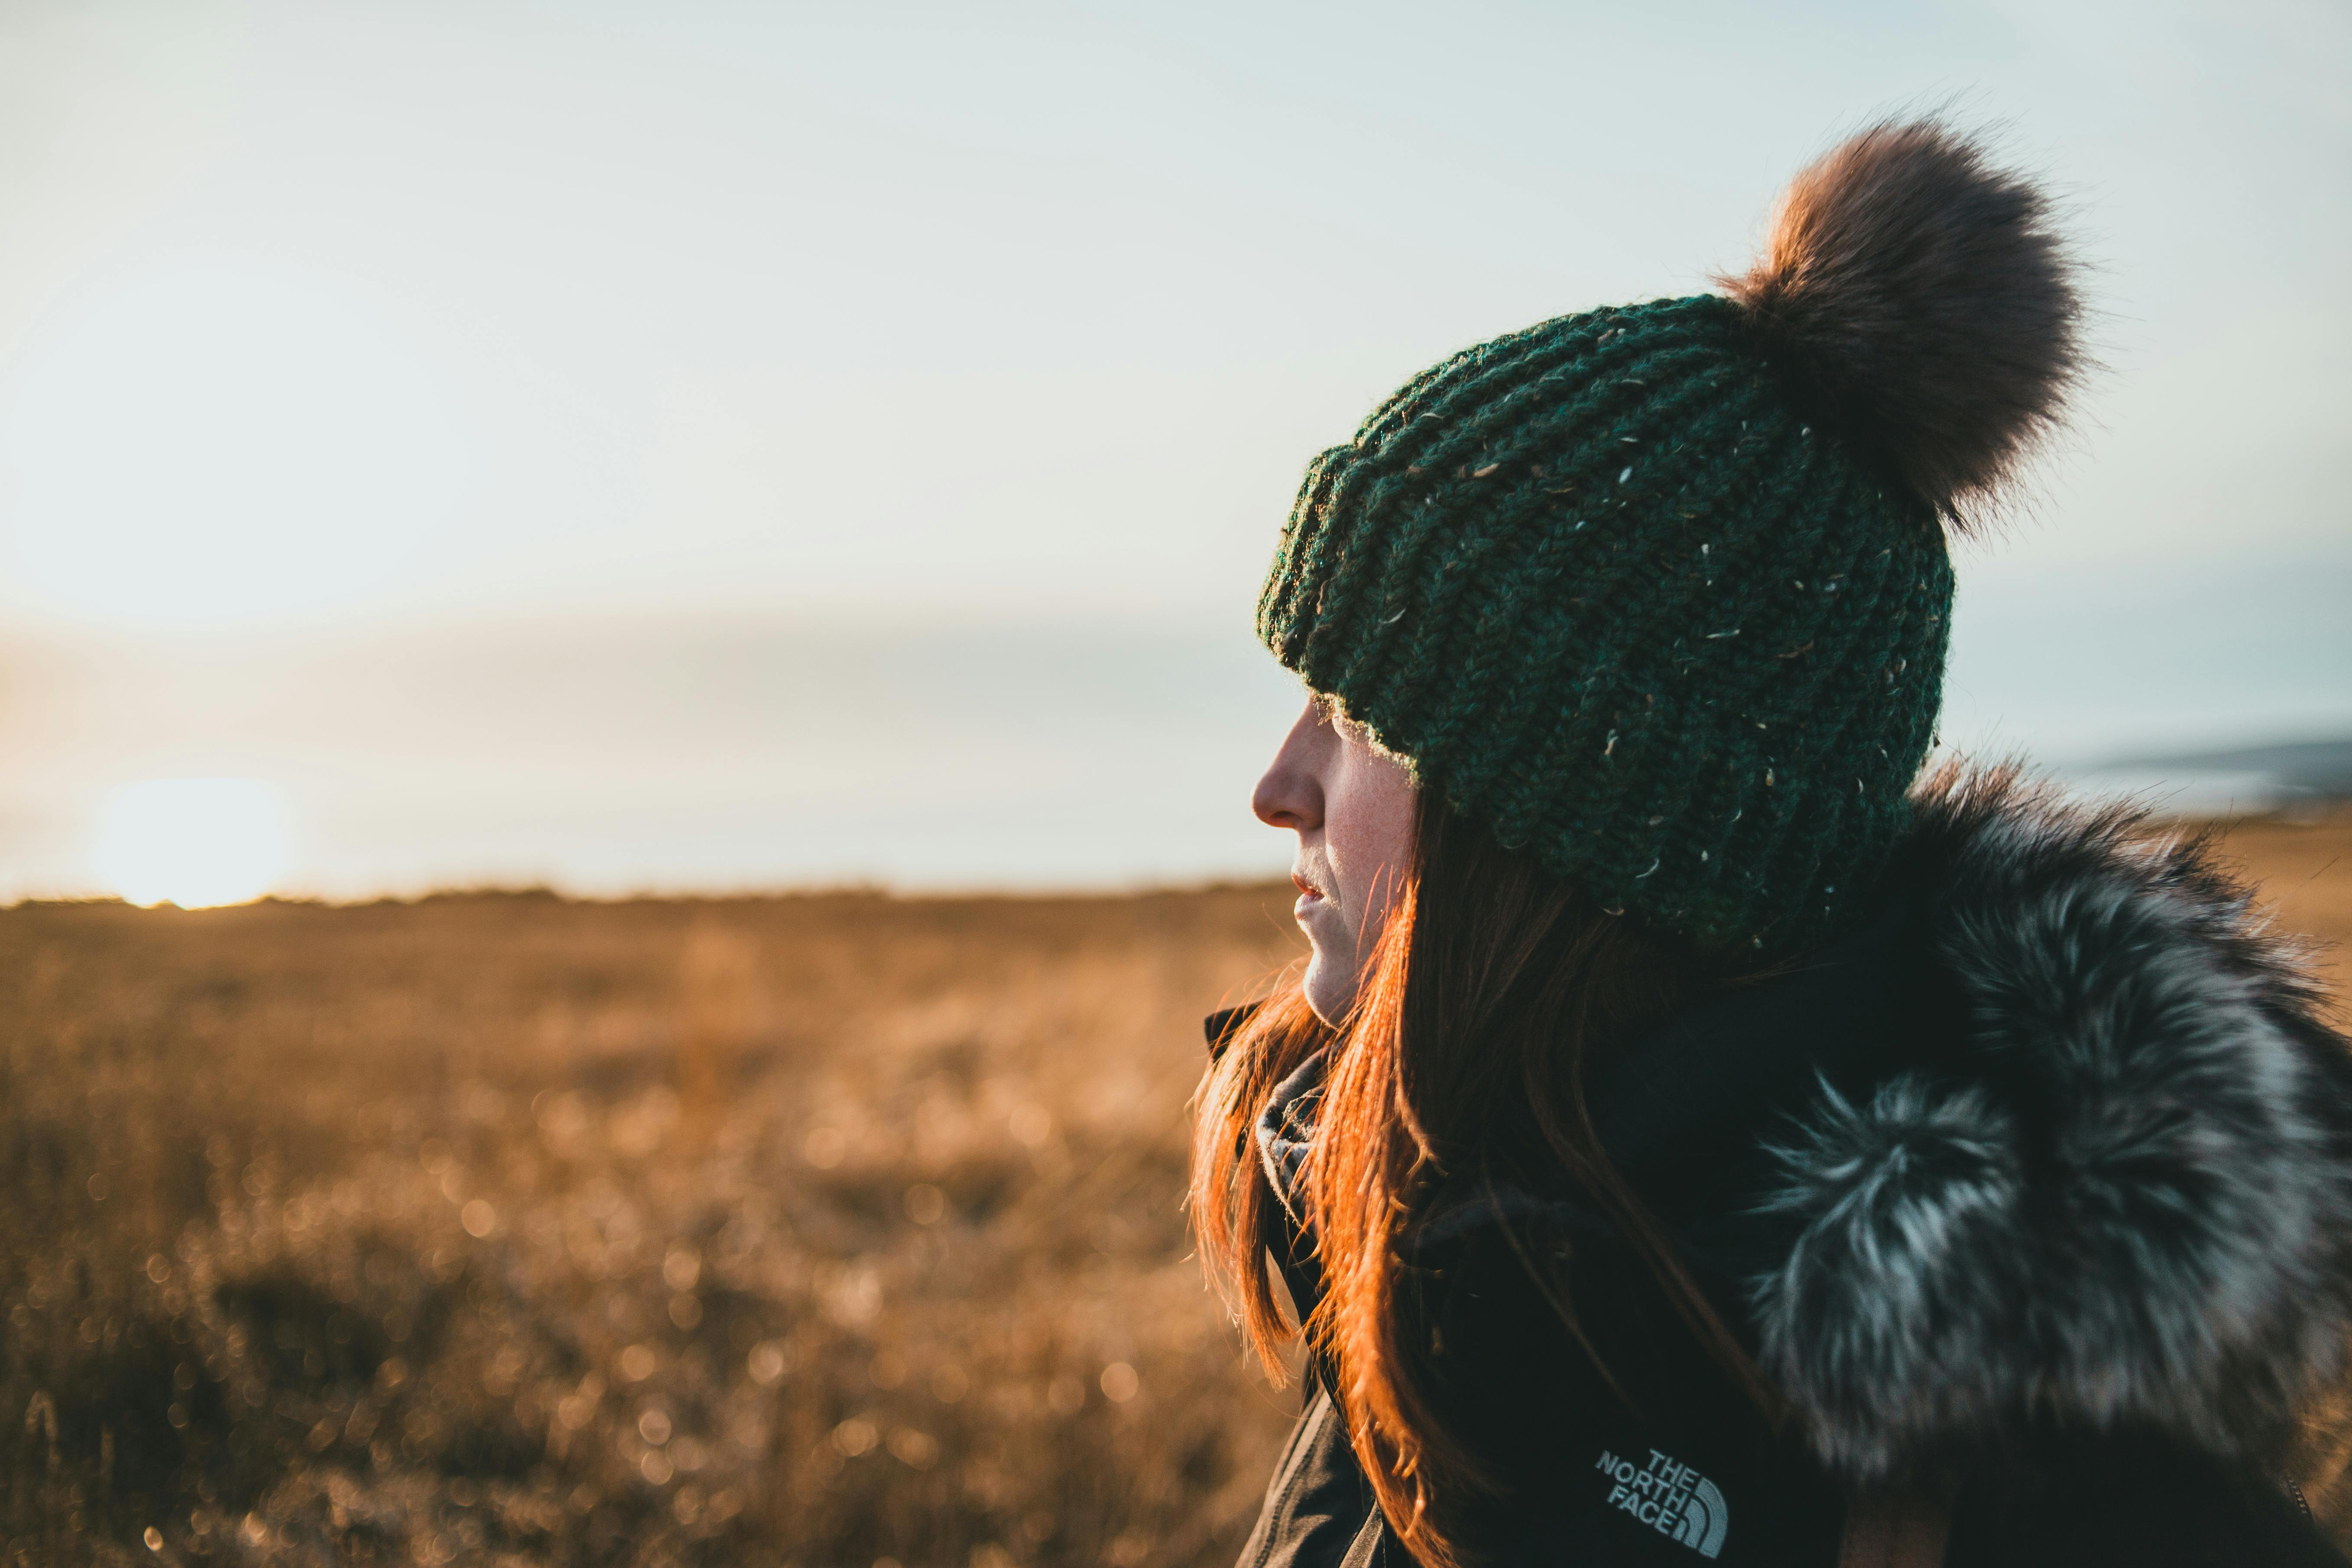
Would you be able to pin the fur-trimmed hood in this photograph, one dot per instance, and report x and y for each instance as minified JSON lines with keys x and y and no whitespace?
{"x":2097,"y":1176}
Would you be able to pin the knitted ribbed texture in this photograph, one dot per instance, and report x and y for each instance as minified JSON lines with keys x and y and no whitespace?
{"x":1608,"y":589}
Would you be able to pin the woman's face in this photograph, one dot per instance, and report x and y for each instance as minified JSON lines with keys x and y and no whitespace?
{"x":1352,"y":808}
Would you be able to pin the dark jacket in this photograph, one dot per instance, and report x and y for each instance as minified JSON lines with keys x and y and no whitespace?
{"x":2037,"y":1191}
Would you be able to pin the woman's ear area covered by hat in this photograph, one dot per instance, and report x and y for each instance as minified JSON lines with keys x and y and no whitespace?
{"x":1922,"y":298}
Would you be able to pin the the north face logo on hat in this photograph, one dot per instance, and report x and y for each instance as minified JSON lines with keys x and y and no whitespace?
{"x":1671,"y":1499}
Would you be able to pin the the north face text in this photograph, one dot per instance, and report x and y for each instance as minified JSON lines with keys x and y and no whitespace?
{"x":1670,"y":1497}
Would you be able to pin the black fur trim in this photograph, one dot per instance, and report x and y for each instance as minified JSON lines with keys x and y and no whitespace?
{"x":2129,"y":1205}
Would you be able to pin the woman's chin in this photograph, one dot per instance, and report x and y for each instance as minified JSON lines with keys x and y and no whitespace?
{"x":1328,"y":992}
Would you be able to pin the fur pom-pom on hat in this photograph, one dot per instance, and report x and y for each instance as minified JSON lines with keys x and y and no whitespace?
{"x":1920,"y":297}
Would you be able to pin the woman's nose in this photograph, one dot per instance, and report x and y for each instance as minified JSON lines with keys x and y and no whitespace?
{"x":1289,"y":795}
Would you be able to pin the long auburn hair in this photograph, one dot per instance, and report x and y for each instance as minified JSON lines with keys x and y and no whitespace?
{"x":1492,"y":990}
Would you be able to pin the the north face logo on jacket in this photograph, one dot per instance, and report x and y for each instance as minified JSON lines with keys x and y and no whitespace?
{"x":1670,"y":1497}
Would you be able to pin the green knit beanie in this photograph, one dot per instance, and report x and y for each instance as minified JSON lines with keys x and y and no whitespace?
{"x":1659,"y":593}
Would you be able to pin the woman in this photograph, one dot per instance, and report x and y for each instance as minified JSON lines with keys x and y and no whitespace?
{"x":1693,"y":1136}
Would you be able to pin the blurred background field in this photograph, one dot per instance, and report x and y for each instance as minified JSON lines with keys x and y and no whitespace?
{"x":835,"y":1230}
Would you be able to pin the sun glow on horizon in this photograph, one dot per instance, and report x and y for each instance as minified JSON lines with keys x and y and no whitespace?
{"x":196,"y":843}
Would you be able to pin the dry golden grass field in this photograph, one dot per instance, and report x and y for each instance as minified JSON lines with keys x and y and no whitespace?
{"x":835,"y":1230}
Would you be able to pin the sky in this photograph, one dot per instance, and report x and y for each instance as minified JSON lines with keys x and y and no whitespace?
{"x":699,"y":447}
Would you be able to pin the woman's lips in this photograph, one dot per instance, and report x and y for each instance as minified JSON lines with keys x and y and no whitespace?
{"x":1309,"y":893}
